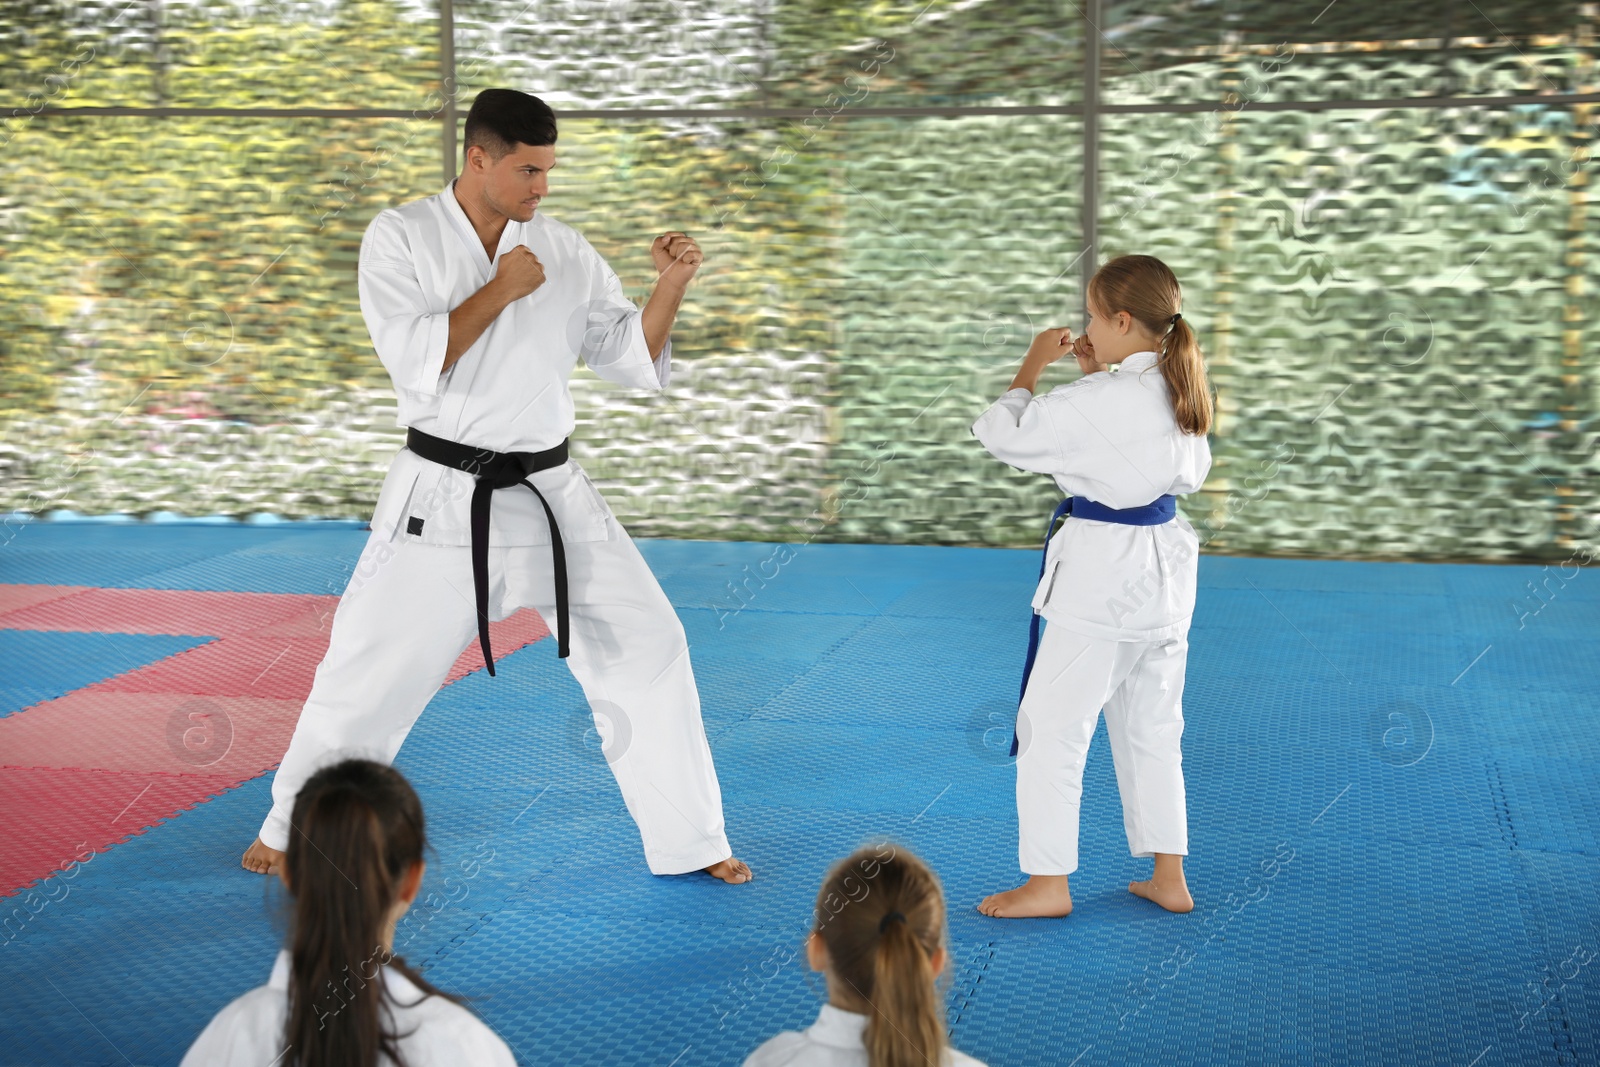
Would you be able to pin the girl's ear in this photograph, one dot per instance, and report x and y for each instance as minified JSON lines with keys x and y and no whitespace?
{"x":816,"y":952}
{"x":411,"y":882}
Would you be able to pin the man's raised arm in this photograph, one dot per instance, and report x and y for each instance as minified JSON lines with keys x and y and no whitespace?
{"x":517,"y":274}
{"x":677,"y":257}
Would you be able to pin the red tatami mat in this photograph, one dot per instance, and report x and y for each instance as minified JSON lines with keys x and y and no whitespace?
{"x":17,"y":597}
{"x":153,"y":611}
{"x":56,"y":816}
{"x":87,"y":769}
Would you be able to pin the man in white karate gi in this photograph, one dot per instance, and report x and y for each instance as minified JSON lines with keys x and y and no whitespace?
{"x":479,"y":306}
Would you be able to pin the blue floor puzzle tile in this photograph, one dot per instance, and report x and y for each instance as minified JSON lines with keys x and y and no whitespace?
{"x":1437,"y":808}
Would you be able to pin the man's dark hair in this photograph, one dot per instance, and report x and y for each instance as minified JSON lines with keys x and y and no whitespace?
{"x":501,"y":119}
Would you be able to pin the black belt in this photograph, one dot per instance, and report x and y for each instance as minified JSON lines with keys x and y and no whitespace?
{"x":499,"y":470}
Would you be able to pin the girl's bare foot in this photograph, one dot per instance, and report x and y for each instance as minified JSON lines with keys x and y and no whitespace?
{"x":730,"y":870}
{"x":1042,"y":895}
{"x":261,"y":859}
{"x":1167,"y":886}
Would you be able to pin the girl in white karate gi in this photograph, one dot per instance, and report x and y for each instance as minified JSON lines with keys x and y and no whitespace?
{"x":879,"y":936}
{"x":354,"y":864}
{"x":1117,"y":597}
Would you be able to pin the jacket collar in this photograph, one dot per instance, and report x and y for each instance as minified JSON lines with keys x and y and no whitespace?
{"x":1135,"y":363}
{"x":469,"y":236}
{"x":399,"y":986}
{"x":838,"y":1028}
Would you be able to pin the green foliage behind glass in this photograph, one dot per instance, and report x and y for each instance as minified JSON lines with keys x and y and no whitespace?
{"x":1395,"y":302}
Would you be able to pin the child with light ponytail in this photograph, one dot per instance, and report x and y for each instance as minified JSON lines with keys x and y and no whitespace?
{"x":1117,"y":582}
{"x":879,"y":936}
{"x":338,"y":996}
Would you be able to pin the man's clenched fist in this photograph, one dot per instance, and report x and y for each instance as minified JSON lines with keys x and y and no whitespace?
{"x":677,"y":256}
{"x":520,"y":271}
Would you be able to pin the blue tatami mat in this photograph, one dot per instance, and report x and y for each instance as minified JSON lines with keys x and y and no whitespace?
{"x":1392,"y":775}
{"x":40,"y":665}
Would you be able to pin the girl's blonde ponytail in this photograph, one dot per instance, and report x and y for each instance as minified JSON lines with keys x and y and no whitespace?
{"x":881,"y":914}
{"x":1146,"y":288}
{"x":906,"y":1027}
{"x":1185,"y":371}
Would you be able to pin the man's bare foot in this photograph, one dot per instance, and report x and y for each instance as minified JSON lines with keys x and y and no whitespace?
{"x":1166,"y":886}
{"x":1042,"y":895}
{"x":261,"y":859}
{"x":730,"y":870}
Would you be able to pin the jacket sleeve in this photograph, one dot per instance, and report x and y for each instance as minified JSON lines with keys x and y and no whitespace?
{"x":613,"y":343}
{"x":1017,"y":429}
{"x":409,"y":339}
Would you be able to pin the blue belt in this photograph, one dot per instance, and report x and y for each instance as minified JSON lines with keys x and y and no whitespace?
{"x":1158,"y":511}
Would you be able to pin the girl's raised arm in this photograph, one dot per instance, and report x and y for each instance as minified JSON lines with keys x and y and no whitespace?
{"x":1017,"y":430}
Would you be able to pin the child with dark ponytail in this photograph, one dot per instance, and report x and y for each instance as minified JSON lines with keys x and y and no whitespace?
{"x":879,"y":936}
{"x":338,"y":996}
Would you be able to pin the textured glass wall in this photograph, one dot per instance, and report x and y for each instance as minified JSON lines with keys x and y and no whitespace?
{"x":215,"y":53}
{"x":180,"y":329}
{"x":961,"y":239}
{"x":1251,"y":52}
{"x":183,"y":332}
{"x":1384,"y":297}
{"x":1395,"y":300}
{"x":807,"y":54}
{"x":861,"y":295}
{"x":736,"y":446}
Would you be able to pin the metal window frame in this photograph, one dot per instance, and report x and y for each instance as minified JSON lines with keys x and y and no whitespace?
{"x":1089,"y":225}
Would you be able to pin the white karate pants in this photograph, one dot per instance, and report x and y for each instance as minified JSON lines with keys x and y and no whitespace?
{"x":408,"y":612}
{"x":1140,"y":686}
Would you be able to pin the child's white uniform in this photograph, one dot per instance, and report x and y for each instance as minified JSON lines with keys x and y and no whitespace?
{"x":440,"y":1033}
{"x":836,"y":1039}
{"x":1117,"y":600}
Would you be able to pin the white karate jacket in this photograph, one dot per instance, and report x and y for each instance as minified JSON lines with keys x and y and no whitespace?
{"x":249,"y":1031}
{"x":1109,"y":436}
{"x":508,"y":392}
{"x":836,"y":1039}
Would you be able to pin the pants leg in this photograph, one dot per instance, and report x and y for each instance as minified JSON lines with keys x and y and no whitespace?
{"x":1144,"y":719}
{"x":404,"y":618}
{"x":629,"y":652}
{"x":1072,"y":677}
